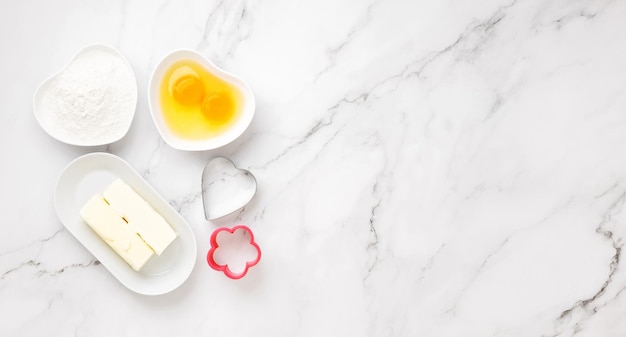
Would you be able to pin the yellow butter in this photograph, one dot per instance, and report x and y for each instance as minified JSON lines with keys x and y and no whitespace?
{"x":113,"y":230}
{"x":141,"y":217}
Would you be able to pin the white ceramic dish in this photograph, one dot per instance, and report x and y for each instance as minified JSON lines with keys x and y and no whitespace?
{"x":90,"y":174}
{"x":173,"y":140}
{"x":108,"y":133}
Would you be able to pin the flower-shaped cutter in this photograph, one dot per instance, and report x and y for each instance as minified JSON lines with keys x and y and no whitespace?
{"x":224,"y":267}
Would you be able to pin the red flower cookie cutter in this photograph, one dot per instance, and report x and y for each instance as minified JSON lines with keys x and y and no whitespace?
{"x":233,"y":251}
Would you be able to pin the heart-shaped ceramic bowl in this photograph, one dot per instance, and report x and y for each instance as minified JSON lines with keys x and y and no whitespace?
{"x":230,"y":134}
{"x":225,"y":188}
{"x":83,"y":78}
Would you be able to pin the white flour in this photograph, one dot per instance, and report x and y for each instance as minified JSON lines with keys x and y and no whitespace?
{"x":92,"y":101}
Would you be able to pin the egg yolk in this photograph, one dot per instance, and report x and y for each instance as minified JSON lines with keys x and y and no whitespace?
{"x":216,"y":106}
{"x":195,"y":103}
{"x":185,"y":86}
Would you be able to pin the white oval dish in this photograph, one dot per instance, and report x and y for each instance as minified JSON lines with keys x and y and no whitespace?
{"x":90,"y":174}
{"x":105,"y":134}
{"x":173,"y":140}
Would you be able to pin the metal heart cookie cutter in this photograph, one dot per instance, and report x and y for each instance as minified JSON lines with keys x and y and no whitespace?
{"x":225,"y":188}
{"x":233,"y":251}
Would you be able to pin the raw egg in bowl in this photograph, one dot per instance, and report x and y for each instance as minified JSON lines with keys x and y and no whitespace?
{"x":197,"y":106}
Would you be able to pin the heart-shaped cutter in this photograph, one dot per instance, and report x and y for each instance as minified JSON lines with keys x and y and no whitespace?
{"x":122,"y":129}
{"x":228,"y":253}
{"x":229,"y":135}
{"x":225,"y":188}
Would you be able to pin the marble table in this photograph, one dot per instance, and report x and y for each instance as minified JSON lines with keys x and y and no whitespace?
{"x":425,"y":168}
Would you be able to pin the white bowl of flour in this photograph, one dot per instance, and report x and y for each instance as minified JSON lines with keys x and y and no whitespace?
{"x":92,"y":101}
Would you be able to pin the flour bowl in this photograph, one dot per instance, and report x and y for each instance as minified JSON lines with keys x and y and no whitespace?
{"x":185,"y":95}
{"x":90,"y":102}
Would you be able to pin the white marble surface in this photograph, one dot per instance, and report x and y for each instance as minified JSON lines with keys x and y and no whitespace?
{"x":425,"y":168}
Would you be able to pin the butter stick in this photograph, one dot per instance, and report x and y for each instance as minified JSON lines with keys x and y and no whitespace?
{"x":113,"y":230}
{"x":141,"y":217}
